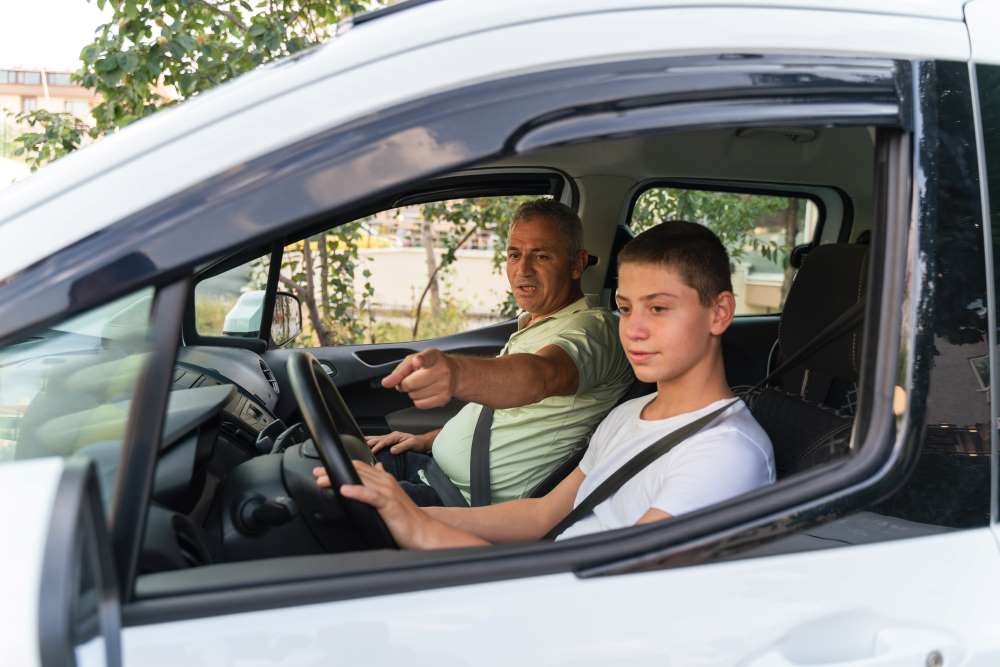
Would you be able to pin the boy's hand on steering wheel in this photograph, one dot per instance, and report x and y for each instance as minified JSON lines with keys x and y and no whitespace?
{"x":381,"y":490}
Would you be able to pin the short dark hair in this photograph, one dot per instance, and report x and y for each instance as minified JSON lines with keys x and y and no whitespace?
{"x":565,"y":219}
{"x":691,"y":249}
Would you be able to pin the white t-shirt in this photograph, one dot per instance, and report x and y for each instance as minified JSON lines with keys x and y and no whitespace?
{"x":730,"y":456}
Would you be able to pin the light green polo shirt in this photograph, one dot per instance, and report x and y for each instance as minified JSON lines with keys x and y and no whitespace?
{"x":528,"y":442}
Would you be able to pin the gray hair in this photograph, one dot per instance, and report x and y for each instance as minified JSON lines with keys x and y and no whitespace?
{"x":565,"y":219}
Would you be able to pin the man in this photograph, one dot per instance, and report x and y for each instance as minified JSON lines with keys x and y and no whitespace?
{"x":676,"y":301}
{"x":556,"y":378}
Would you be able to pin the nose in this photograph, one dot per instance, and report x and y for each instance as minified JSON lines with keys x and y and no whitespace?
{"x":527,"y":266}
{"x":632,"y":327}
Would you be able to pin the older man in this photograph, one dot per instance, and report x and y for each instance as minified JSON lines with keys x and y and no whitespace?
{"x":557,"y":377}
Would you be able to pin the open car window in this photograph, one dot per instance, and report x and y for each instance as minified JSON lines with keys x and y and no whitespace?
{"x":404,"y":274}
{"x":760,"y":232}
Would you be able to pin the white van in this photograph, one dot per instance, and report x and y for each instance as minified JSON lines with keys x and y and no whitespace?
{"x":155,"y":501}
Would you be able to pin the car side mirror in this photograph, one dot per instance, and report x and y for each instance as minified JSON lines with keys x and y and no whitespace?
{"x":64,"y":584}
{"x":286,"y":323}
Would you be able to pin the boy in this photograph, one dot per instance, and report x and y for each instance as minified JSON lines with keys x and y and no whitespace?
{"x":675,"y":298}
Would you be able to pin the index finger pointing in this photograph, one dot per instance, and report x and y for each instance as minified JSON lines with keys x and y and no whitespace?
{"x":404,"y":368}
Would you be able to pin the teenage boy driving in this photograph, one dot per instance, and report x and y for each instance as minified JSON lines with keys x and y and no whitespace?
{"x":675,"y":299}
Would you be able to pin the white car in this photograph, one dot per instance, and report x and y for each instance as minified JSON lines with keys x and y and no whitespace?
{"x":155,"y":510}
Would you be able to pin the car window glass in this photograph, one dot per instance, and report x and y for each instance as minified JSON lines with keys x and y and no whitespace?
{"x":407,"y":273}
{"x":65,"y":390}
{"x":759,"y":232}
{"x":231,"y":303}
{"x":988,"y":77}
{"x":949,"y":483}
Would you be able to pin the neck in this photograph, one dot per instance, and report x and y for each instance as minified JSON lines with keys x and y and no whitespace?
{"x":574,"y":295}
{"x":700,"y":386}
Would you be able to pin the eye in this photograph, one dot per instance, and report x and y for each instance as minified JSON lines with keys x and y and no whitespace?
{"x":658,"y":309}
{"x":624,"y":310}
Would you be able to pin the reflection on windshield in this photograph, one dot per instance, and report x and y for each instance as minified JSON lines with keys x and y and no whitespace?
{"x":67,"y":390}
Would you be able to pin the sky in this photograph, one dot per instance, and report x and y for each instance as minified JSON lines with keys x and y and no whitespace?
{"x":47,"y":33}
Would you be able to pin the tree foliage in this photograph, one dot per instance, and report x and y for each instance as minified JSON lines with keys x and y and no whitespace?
{"x":155,"y":53}
{"x":468,"y":218}
{"x":734,"y":217}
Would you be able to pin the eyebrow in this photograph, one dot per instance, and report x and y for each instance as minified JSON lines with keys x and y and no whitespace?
{"x":535,"y":249}
{"x":647,"y":297}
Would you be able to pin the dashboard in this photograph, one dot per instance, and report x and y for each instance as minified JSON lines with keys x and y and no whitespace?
{"x":252,"y":406}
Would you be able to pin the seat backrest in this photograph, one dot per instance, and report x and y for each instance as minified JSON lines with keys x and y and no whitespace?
{"x":807,"y":414}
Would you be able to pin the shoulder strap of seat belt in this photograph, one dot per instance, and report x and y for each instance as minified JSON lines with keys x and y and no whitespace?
{"x":480,"y":484}
{"x":632,"y":467}
{"x":840,"y":326}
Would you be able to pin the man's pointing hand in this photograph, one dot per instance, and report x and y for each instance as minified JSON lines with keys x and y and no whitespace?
{"x":429,"y":377}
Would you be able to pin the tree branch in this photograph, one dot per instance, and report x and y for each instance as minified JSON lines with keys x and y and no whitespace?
{"x":225,"y":12}
{"x":433,"y":278}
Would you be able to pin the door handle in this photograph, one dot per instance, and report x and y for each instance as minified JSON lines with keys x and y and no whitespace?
{"x":860,"y":640}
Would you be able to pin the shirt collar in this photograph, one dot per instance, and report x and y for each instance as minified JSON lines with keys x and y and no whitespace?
{"x":583,"y":303}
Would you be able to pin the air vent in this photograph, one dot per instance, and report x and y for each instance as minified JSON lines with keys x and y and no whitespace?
{"x":269,"y":376}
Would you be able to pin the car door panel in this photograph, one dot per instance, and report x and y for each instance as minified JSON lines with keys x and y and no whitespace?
{"x":888,"y":604}
{"x":358,"y":370}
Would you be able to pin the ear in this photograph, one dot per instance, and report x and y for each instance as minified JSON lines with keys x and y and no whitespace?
{"x":723,"y":311}
{"x":578,"y":264}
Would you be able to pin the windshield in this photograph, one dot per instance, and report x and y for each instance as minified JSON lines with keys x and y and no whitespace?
{"x":66,"y":390}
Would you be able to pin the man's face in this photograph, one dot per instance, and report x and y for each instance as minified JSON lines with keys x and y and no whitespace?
{"x":665,"y":329}
{"x":542,"y":275}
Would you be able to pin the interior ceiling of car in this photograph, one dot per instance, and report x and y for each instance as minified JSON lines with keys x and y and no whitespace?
{"x":608,"y":171}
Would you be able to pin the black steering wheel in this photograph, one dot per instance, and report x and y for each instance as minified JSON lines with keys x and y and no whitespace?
{"x":338,"y":441}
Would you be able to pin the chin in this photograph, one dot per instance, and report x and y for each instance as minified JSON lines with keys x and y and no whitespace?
{"x":647,"y":374}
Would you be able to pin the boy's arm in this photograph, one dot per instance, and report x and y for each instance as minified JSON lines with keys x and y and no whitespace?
{"x":521,"y":520}
{"x":413,"y":528}
{"x":653,"y":515}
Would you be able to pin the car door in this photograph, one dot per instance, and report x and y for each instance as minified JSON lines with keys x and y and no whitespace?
{"x":909,"y":576}
{"x":874,"y":588}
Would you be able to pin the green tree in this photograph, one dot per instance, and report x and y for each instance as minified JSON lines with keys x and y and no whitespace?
{"x":155,"y":53}
{"x":468,"y":217}
{"x":734,"y":217}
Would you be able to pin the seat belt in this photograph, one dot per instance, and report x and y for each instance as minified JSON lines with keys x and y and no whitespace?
{"x":480,"y":484}
{"x":846,"y":322}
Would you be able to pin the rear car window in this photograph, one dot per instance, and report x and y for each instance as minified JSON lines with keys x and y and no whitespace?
{"x":760,"y":231}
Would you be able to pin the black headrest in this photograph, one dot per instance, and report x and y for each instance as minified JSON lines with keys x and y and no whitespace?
{"x":831,"y":280}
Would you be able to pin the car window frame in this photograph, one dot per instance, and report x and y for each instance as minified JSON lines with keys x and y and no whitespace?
{"x":787,"y":190}
{"x":752,"y":515}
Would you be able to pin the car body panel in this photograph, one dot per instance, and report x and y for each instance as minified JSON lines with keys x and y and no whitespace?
{"x":219,"y":131}
{"x":27,"y":495}
{"x":983,"y":19}
{"x":847,"y":603}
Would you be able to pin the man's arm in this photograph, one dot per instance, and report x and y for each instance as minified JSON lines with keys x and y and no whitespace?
{"x":432,"y":378}
{"x":440,"y":528}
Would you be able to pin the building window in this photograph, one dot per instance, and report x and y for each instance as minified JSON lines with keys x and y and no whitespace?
{"x":29,"y":103}
{"x":59,"y":79}
{"x":29,"y":78}
{"x":6,"y":76}
{"x":76,"y":107}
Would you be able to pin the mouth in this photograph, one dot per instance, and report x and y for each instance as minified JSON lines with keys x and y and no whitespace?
{"x":526,"y":289}
{"x":638,"y":357}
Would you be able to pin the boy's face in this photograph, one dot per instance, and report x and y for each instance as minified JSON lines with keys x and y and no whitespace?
{"x":664,"y":327}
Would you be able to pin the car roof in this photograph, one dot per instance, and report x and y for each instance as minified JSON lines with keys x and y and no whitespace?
{"x":122,"y":176}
